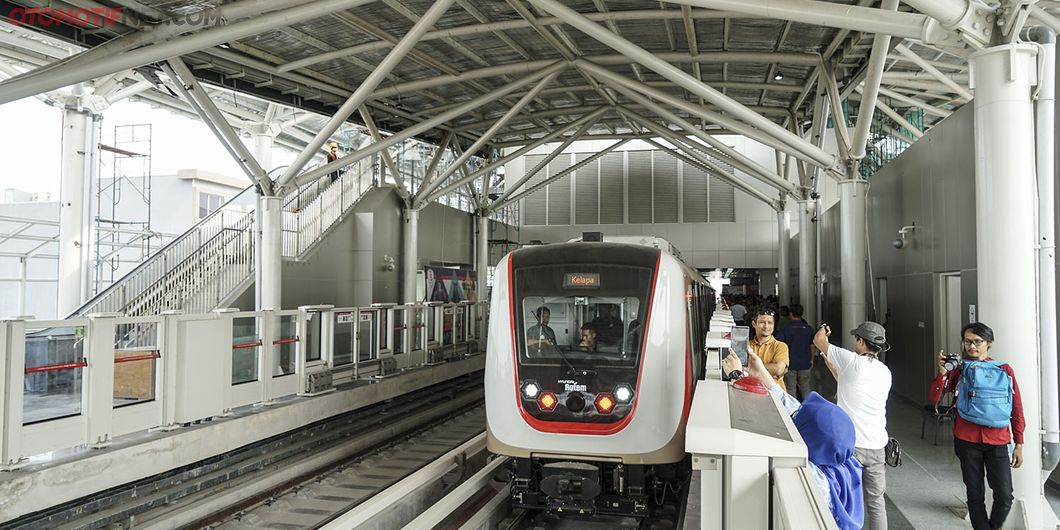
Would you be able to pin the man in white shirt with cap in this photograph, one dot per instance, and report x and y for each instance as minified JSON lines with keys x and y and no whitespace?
{"x":864,"y":384}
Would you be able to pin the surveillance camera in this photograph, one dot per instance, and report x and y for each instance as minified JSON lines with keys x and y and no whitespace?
{"x":898,"y":243}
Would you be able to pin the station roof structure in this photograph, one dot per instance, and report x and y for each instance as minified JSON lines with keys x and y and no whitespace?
{"x":504,"y":73}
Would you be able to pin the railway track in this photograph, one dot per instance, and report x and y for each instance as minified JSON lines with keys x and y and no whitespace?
{"x":199,"y":494}
{"x":414,"y":462}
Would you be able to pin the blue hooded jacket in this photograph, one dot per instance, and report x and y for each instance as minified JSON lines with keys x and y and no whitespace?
{"x":829,"y":436}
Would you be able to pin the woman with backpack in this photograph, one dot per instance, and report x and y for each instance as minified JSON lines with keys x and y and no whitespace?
{"x":989,"y":417}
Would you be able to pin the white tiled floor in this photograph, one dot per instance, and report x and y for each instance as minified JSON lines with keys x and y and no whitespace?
{"x":927,"y":489}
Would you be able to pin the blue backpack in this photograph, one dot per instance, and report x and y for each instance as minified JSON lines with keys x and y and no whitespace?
{"x":984,"y":395}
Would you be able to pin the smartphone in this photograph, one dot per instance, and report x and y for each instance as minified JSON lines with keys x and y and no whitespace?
{"x":739,"y":335}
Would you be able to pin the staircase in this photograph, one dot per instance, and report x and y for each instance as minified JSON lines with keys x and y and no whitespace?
{"x":212,"y":263}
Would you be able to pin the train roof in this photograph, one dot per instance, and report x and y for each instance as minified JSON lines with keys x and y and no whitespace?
{"x":586,"y":252}
{"x":644,"y":241}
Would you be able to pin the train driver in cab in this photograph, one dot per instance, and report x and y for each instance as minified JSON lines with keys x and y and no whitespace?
{"x":608,"y":325}
{"x":541,"y":332}
{"x":589,"y":335}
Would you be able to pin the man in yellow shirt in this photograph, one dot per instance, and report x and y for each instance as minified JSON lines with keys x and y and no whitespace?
{"x":774,"y":353}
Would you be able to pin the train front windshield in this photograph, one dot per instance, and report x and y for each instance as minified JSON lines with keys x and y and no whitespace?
{"x":582,"y":316}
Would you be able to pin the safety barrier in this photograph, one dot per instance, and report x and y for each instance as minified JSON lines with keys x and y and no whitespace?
{"x":749,"y":454}
{"x":86,"y":381}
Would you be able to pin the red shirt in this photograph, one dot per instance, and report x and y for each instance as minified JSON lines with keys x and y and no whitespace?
{"x":971,"y":432}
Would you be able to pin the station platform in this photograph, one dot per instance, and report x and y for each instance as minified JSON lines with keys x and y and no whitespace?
{"x":926,"y":492}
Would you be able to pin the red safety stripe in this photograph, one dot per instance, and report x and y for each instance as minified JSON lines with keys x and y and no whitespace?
{"x":138,"y":358}
{"x":247,"y":345}
{"x":286,"y":341}
{"x":54,"y":367}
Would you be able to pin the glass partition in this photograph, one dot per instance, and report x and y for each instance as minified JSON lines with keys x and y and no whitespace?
{"x":245,"y":347}
{"x":381,"y":315}
{"x":366,"y":339}
{"x":313,"y":327}
{"x":342,"y":346}
{"x":286,"y":344}
{"x":447,"y":325}
{"x":417,"y":327}
{"x":399,"y":330}
{"x":54,"y":361}
{"x":460,"y":324}
{"x":432,"y":329}
{"x":136,"y":355}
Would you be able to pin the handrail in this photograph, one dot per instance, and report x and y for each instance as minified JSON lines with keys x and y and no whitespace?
{"x":182,"y":276}
{"x":84,"y":309}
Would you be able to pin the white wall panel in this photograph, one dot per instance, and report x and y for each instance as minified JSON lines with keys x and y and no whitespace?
{"x":640,"y":200}
{"x":664,"y":187}
{"x":559,"y":192}
{"x":587,"y":191}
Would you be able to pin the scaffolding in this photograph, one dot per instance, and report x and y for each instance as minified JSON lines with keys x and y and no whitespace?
{"x":123,"y":205}
{"x":888,"y":139}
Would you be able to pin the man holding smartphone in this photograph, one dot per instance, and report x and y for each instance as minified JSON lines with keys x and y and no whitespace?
{"x":774,"y":353}
{"x":864,"y":383}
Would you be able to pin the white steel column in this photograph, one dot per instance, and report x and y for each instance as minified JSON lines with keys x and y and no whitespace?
{"x":264,"y":136}
{"x":482,"y":256}
{"x":410,"y":255}
{"x":881,"y":45}
{"x":1045,"y":150}
{"x":852,"y":251}
{"x":1002,"y":77}
{"x":271,"y":265}
{"x":783,"y":267}
{"x":73,"y":209}
{"x":808,"y":260}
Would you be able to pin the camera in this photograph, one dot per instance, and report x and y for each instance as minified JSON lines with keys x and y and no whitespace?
{"x":951,"y":362}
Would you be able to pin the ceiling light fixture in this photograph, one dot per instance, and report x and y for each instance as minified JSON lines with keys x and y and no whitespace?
{"x":779,"y":76}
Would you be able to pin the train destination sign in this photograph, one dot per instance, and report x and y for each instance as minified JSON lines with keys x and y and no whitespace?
{"x":581,"y":280}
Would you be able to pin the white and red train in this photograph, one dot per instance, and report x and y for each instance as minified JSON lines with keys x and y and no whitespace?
{"x":592,"y":356}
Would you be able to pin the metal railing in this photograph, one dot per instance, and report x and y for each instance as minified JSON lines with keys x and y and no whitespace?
{"x":213,"y":262}
{"x":311,"y":210}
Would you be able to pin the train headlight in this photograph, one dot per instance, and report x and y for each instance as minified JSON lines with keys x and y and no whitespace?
{"x":547,"y":401}
{"x":531,"y":390}
{"x":624,"y":394}
{"x":605,"y":403}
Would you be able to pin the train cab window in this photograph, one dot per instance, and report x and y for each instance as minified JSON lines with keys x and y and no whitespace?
{"x":584,"y":327}
{"x":597,"y":324}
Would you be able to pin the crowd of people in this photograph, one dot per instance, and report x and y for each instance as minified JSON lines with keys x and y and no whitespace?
{"x":848,"y":443}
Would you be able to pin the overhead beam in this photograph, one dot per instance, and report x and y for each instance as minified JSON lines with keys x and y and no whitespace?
{"x":586,"y":122}
{"x":734,"y":157}
{"x":685,"y":145}
{"x":818,"y":13}
{"x":685,"y":80}
{"x":724,"y":121}
{"x":527,"y":175}
{"x":424,"y":126}
{"x":692,"y":157}
{"x":929,"y":68}
{"x":200,"y":101}
{"x":894,"y":115}
{"x":365,"y":89}
{"x":498,"y":205}
{"x":58,"y":77}
{"x":930,"y":109}
{"x":373,"y":131}
{"x":486,"y":137}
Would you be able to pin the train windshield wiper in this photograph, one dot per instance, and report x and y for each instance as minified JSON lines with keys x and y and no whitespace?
{"x":557,"y":349}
